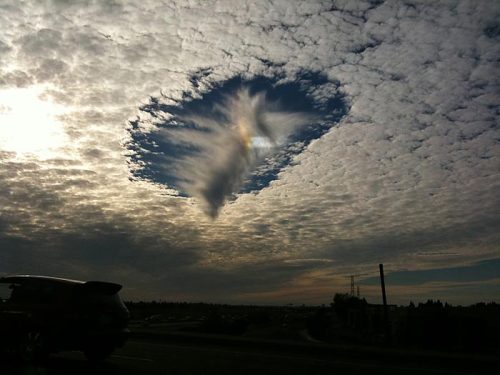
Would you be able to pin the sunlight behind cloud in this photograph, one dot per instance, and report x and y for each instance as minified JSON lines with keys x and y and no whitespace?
{"x":29,"y":123}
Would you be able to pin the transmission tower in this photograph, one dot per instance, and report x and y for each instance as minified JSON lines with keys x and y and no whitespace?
{"x":354,"y":287}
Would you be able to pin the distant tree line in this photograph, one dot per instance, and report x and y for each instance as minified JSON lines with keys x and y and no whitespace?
{"x":348,"y":319}
{"x":432,"y":325}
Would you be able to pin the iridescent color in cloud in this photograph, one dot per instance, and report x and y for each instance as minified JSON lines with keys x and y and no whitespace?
{"x":243,"y":131}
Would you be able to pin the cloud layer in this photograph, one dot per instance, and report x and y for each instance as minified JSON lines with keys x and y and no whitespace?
{"x":409,"y":177}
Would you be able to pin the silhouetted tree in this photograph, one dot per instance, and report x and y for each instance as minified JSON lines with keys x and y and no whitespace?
{"x":343,"y":303}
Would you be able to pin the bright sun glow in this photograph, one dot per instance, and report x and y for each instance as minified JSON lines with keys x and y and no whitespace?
{"x":29,"y":124}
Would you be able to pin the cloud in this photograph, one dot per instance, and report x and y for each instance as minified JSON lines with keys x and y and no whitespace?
{"x":231,"y":137}
{"x":415,"y":156}
{"x":245,"y":129}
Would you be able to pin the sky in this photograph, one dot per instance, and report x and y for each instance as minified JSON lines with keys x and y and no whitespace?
{"x":257,"y":153}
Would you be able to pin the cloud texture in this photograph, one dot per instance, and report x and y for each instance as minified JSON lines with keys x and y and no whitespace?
{"x":409,"y":177}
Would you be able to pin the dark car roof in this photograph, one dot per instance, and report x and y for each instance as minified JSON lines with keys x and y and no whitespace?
{"x":23,"y":278}
{"x":99,"y":286}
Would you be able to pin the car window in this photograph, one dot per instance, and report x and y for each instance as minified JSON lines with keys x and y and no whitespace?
{"x":25,"y":293}
{"x":5,"y":292}
{"x":39,"y":292}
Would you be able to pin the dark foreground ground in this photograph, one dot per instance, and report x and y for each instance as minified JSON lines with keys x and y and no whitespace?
{"x":198,"y":354}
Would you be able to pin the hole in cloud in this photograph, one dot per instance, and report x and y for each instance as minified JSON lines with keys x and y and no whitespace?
{"x":231,"y":137}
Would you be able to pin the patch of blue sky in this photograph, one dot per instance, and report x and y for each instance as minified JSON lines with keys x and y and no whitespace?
{"x":157,"y":155}
{"x":480,"y":271}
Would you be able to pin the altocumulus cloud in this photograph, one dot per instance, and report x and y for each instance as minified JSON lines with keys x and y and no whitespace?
{"x":404,"y":171}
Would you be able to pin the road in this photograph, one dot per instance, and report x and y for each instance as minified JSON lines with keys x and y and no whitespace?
{"x":160,"y":357}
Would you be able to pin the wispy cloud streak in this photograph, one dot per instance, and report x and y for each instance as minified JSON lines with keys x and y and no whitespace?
{"x":229,"y":142}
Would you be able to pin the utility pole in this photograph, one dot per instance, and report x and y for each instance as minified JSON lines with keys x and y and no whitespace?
{"x":357,"y":291}
{"x":382,"y":284}
{"x":352,"y":285}
{"x":384,"y":299}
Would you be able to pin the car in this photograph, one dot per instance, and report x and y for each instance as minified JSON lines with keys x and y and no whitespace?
{"x":40,"y":315}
